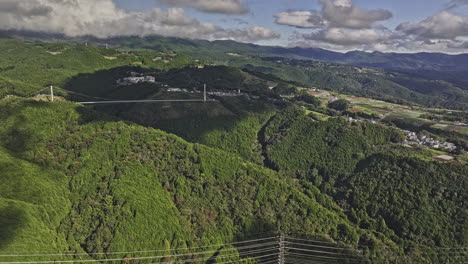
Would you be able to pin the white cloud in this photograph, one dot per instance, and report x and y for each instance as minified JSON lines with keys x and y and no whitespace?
{"x":212,"y":6}
{"x":301,"y":19}
{"x":102,"y":18}
{"x":241,"y":21}
{"x":447,"y":46}
{"x":344,"y":13}
{"x":443,"y":25}
{"x":25,"y":8}
{"x":345,"y":37}
{"x":334,"y":13}
{"x":251,"y":34}
{"x":456,"y":3}
{"x":342,"y":25}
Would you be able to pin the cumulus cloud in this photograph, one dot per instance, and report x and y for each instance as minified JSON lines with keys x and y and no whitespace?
{"x":456,"y":3}
{"x":418,"y":45}
{"x":102,"y":18}
{"x":443,"y":25}
{"x":212,"y":6}
{"x":241,"y":21}
{"x":334,"y":13}
{"x":251,"y":34}
{"x":27,"y":8}
{"x":344,"y":13}
{"x":346,"y":37}
{"x":342,"y":25}
{"x":301,"y":19}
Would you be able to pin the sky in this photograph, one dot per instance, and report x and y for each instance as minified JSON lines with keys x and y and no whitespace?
{"x":341,"y":25}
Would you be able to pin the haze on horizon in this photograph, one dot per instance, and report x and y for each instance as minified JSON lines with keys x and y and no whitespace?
{"x":341,"y":25}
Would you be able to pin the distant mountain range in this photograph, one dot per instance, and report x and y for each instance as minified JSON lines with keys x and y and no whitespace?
{"x":393,"y":61}
{"x":429,"y":79}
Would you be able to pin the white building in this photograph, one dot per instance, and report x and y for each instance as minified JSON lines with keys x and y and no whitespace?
{"x":136,"y":80}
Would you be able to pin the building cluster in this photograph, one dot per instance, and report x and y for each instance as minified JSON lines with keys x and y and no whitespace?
{"x":136,"y":78}
{"x":414,"y":139}
{"x":223,"y":94}
{"x":177,"y":90}
{"x":354,"y":120}
{"x":227,"y":94}
{"x":163,"y":59}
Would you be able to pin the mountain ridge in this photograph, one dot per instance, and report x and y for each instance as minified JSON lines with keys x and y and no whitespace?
{"x":385,"y":60}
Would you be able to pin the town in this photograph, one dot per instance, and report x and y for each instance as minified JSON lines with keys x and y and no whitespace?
{"x":136,"y":78}
{"x":421,"y":140}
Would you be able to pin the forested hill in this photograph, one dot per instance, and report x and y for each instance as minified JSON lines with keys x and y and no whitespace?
{"x":274,"y":158}
{"x":387,"y":188}
{"x":73,"y":179}
{"x":395,"y":61}
{"x":25,"y":67}
{"x":93,"y":184}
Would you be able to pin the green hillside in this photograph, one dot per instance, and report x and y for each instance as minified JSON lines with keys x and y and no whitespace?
{"x":26,"y":67}
{"x":411,"y":200}
{"x":59,"y":185}
{"x":132,"y":177}
{"x":420,"y":78}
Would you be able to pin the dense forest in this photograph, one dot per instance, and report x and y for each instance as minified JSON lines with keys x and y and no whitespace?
{"x":26,"y":67}
{"x":411,"y":200}
{"x":274,"y":159}
{"x":56,"y":63}
{"x":147,"y":186}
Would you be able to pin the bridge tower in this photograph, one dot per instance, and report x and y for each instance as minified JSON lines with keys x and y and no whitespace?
{"x":204,"y":92}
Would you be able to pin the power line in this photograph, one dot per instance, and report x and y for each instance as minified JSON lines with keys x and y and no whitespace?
{"x":222,"y":256}
{"x":320,"y":246}
{"x":270,"y":262}
{"x":36,"y":92}
{"x":272,"y":235}
{"x":302,"y":261}
{"x":324,"y":257}
{"x":318,"y":251}
{"x":142,"y":251}
{"x":309,"y":240}
{"x":271,"y":255}
{"x":141,"y":258}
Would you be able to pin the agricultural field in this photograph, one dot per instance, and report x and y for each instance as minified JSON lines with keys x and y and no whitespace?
{"x":413,"y":115}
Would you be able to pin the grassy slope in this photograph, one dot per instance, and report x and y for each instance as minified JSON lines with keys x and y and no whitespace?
{"x":27,"y":67}
{"x":147,"y":186}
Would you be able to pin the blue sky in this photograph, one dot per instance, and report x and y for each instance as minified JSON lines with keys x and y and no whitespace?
{"x":343,"y":25}
{"x":264,"y":10}
{"x":262,"y":13}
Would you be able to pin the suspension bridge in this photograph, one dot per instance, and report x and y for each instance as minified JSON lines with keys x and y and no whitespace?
{"x":94,"y":100}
